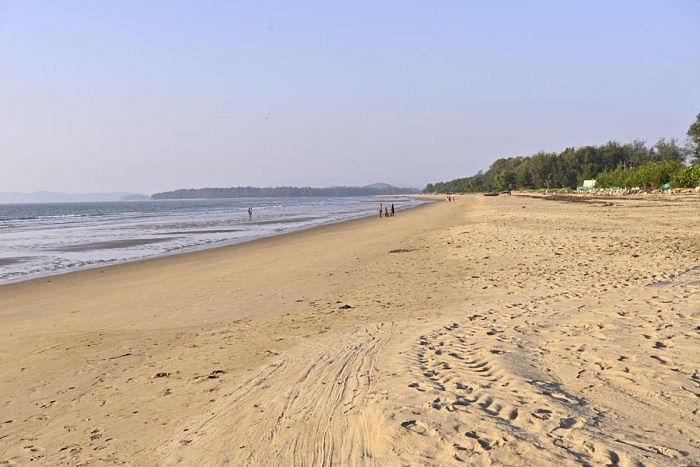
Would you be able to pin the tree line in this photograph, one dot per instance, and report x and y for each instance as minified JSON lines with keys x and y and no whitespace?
{"x":281,"y":192}
{"x":651,"y":165}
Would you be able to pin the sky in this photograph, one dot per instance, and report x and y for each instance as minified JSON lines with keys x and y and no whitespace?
{"x":150,"y":96}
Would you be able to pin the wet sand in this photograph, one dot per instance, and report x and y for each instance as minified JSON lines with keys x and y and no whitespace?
{"x":203,"y":231}
{"x":114,"y":244}
{"x":507,"y":330}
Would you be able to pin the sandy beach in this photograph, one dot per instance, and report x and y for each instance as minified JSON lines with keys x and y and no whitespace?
{"x":505,"y":330}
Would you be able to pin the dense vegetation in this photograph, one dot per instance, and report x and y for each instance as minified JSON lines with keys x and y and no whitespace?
{"x":687,"y":177}
{"x":282,"y":192}
{"x":652,"y":175}
{"x":612,"y":164}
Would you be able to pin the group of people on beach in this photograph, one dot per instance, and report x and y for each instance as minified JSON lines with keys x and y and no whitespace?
{"x":451,"y":198}
{"x":384,"y":210}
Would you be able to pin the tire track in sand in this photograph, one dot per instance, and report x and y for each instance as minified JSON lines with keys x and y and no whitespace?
{"x":310,"y":407}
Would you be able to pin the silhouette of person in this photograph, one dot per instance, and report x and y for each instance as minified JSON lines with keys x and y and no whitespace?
{"x":392,"y":209}
{"x":250,"y":214}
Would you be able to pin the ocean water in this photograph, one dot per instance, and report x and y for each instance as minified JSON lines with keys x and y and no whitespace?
{"x":44,"y":239}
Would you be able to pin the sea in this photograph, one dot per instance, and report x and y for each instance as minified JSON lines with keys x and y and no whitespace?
{"x":51,"y":238}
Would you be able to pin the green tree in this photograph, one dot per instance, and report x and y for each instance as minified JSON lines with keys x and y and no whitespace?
{"x":694,"y":141}
{"x":636,"y":154}
{"x":687,"y":177}
{"x":669,"y":151}
{"x":523,"y":177}
{"x":504,"y":180}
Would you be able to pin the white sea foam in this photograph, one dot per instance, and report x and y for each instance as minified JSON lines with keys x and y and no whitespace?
{"x":44,"y":239}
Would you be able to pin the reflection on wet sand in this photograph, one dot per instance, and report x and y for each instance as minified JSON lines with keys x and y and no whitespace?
{"x":108,"y":245}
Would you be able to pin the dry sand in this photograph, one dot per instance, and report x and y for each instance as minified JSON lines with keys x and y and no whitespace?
{"x":506,"y":330}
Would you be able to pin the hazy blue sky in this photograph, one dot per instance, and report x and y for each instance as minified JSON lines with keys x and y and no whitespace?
{"x":146,"y":95}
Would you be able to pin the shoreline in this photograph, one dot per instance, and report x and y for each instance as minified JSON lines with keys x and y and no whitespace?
{"x":490,"y":330}
{"x":425,"y":201}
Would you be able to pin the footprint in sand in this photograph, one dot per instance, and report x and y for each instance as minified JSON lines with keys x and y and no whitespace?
{"x":416,"y":386}
{"x":417,"y":427}
{"x":513,"y":415}
{"x":485,"y":443}
{"x":567,"y":423}
{"x":542,"y":414}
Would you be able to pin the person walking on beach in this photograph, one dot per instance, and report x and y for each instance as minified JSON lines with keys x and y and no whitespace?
{"x":386,"y":211}
{"x":381,"y":210}
{"x":250,"y":214}
{"x":392,"y":209}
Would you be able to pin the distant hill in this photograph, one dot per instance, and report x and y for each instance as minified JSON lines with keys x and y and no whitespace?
{"x":283,"y":192}
{"x":55,"y":197}
{"x":379,"y":186}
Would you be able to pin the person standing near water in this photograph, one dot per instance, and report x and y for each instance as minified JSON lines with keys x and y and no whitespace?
{"x":250,"y":214}
{"x":392,"y":209}
{"x":381,"y":210}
